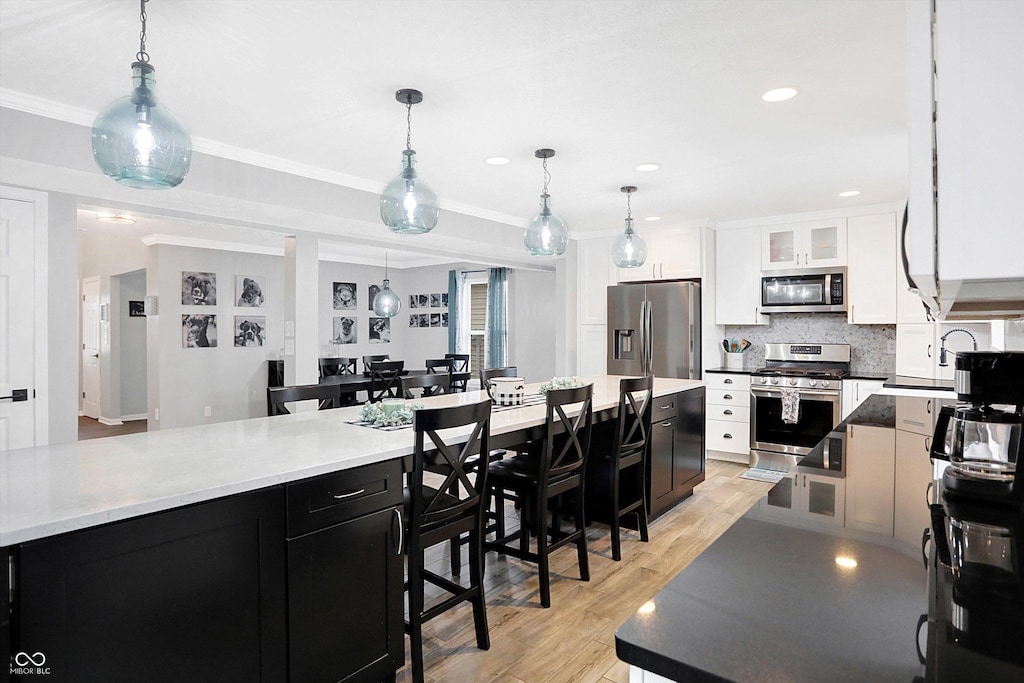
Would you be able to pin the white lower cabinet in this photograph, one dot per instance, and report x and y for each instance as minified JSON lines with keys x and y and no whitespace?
{"x":913,"y":473}
{"x":805,"y":500}
{"x":727,"y":430}
{"x":856,"y":391}
{"x":870,"y":478}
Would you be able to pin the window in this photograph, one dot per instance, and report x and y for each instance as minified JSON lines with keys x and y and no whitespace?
{"x":477,"y":326}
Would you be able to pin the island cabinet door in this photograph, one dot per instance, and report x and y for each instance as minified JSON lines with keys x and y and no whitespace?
{"x":345,"y":601}
{"x":660,"y":470}
{"x":192,"y":594}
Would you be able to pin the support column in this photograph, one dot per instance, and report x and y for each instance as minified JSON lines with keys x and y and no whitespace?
{"x":301,"y":315}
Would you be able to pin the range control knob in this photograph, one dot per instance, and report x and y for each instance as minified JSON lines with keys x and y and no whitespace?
{"x":792,"y":381}
{"x":763,"y":380}
{"x":814,"y":382}
{"x":825,"y":384}
{"x":775,"y":380}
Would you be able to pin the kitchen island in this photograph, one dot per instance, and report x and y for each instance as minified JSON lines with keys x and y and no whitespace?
{"x":823,"y":579}
{"x":265,"y":549}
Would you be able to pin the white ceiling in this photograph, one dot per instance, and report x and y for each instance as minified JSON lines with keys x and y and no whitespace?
{"x":607,"y":83}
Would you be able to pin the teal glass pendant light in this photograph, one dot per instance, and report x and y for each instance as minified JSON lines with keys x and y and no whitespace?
{"x":386,"y":304}
{"x":546,"y":234}
{"x":136,"y":141}
{"x":629,"y":249}
{"x":409,"y":205}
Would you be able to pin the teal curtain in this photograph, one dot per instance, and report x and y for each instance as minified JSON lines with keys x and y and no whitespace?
{"x":497,"y":319}
{"x":454,"y":299}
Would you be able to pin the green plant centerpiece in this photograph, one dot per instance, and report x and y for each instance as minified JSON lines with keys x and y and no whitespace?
{"x":398,"y":416}
{"x":560,"y":383}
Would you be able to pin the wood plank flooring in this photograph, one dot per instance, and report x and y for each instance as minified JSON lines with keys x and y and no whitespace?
{"x":574,"y":640}
{"x":89,"y":428}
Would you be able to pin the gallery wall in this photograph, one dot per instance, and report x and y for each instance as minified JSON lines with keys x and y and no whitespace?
{"x":336,"y":337}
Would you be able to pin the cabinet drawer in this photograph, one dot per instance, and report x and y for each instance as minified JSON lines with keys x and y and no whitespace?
{"x":718,"y":380}
{"x":728,"y":413}
{"x":731,"y":437}
{"x":916,"y":415}
{"x":729,"y":397}
{"x":332,"y":498}
{"x":663,"y":408}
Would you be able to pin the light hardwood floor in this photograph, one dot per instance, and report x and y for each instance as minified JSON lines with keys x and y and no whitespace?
{"x":574,"y":640}
{"x":89,"y":428}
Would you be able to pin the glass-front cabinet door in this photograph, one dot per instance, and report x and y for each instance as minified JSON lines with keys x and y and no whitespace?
{"x":806,"y":500}
{"x":812,"y":244}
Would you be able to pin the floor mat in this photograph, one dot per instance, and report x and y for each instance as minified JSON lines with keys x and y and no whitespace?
{"x":759,"y":474}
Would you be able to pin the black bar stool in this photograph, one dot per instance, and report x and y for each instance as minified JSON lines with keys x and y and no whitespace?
{"x":385,"y":379}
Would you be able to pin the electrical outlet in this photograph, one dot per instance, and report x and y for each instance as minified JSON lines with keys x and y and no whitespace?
{"x":207,"y":411}
{"x":890,"y":347}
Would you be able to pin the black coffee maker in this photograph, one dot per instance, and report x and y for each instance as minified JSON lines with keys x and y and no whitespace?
{"x":982,"y":436}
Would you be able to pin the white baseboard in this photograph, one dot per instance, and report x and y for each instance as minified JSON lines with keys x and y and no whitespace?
{"x":109,"y":422}
{"x":742,"y":458}
{"x":132,"y":418}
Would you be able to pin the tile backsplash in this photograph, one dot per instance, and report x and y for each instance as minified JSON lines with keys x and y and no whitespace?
{"x":869,"y":343}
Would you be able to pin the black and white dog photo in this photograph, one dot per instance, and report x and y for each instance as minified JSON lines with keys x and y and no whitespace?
{"x":249,"y":291}
{"x":345,"y":331}
{"x":198,"y":331}
{"x":198,"y":289}
{"x":250,"y":331}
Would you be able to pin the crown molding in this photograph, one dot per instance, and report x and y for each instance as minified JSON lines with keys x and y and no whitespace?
{"x":841,"y":212}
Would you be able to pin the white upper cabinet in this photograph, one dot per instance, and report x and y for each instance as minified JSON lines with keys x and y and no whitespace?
{"x":810,"y":244}
{"x":872,"y":269}
{"x":738,"y":277}
{"x":671,"y":255}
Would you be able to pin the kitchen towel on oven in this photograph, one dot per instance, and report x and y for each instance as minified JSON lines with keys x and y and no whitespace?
{"x":790,"y":406}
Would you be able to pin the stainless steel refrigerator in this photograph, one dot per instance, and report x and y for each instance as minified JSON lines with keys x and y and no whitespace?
{"x":654,"y":328}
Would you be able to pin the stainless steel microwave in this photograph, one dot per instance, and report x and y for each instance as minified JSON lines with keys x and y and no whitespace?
{"x":804,"y":291}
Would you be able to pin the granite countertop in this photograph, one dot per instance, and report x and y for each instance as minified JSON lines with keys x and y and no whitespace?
{"x":768,"y":601}
{"x":735,"y":371}
{"x":901,"y":382}
{"x":54,"y":489}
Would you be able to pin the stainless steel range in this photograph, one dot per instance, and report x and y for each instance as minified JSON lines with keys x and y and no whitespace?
{"x":795,"y":401}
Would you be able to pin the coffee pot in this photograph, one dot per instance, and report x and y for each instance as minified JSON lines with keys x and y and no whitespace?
{"x":982,"y":436}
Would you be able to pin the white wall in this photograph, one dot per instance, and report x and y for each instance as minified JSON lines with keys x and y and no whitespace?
{"x":231,"y":380}
{"x":363,"y":277}
{"x":62,"y":297}
{"x":422,"y":343}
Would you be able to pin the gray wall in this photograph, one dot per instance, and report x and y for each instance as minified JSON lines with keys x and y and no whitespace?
{"x":363,"y":277}
{"x":533,"y":320}
{"x":132,"y":342}
{"x":62,"y":294}
{"x":231,"y":380}
{"x":422,"y":343}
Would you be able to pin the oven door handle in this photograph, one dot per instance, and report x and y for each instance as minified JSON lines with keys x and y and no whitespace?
{"x":762,"y":391}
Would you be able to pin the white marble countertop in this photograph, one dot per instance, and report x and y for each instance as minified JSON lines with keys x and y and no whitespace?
{"x":50,"y":490}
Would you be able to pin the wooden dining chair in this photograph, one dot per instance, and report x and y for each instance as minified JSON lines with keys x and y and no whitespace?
{"x":538,"y":481}
{"x":373,"y":359}
{"x":460,"y":366}
{"x":385,"y":379}
{"x":330,"y":367}
{"x":439,"y":366}
{"x":616,"y":478}
{"x":435,"y":515}
{"x":326,"y":395}
{"x":428,"y":385}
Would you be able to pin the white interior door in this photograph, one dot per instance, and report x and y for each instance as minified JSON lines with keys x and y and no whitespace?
{"x":91,"y":347}
{"x":17,"y":324}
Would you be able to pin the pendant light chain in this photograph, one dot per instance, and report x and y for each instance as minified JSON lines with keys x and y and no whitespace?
{"x":408,"y":124}
{"x":629,"y":206}
{"x":142,"y":55}
{"x":547,"y":175}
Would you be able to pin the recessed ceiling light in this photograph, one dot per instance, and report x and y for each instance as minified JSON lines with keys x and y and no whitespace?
{"x":497,"y":161}
{"x":849,"y":193}
{"x":122,"y":218}
{"x":644,"y":168}
{"x":652,"y":218}
{"x":779,"y":95}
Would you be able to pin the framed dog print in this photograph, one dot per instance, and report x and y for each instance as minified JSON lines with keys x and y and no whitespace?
{"x":198,"y":289}
{"x":136,"y":309}
{"x":345,"y":331}
{"x":380,"y":330}
{"x":371,"y":293}
{"x":250,"y":330}
{"x":249,"y":290}
{"x":344,"y":296}
{"x":198,"y":331}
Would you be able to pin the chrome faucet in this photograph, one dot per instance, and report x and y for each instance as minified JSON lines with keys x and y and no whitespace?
{"x":942,"y":349}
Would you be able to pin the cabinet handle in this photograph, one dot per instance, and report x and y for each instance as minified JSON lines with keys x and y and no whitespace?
{"x":927,"y":444}
{"x":665,"y":407}
{"x":401,"y":530}
{"x":349,"y":494}
{"x":928,"y":407}
{"x":728,"y":380}
{"x":727,"y":397}
{"x":726,"y":412}
{"x":929,"y":351}
{"x":666,"y":424}
{"x":727,"y":435}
